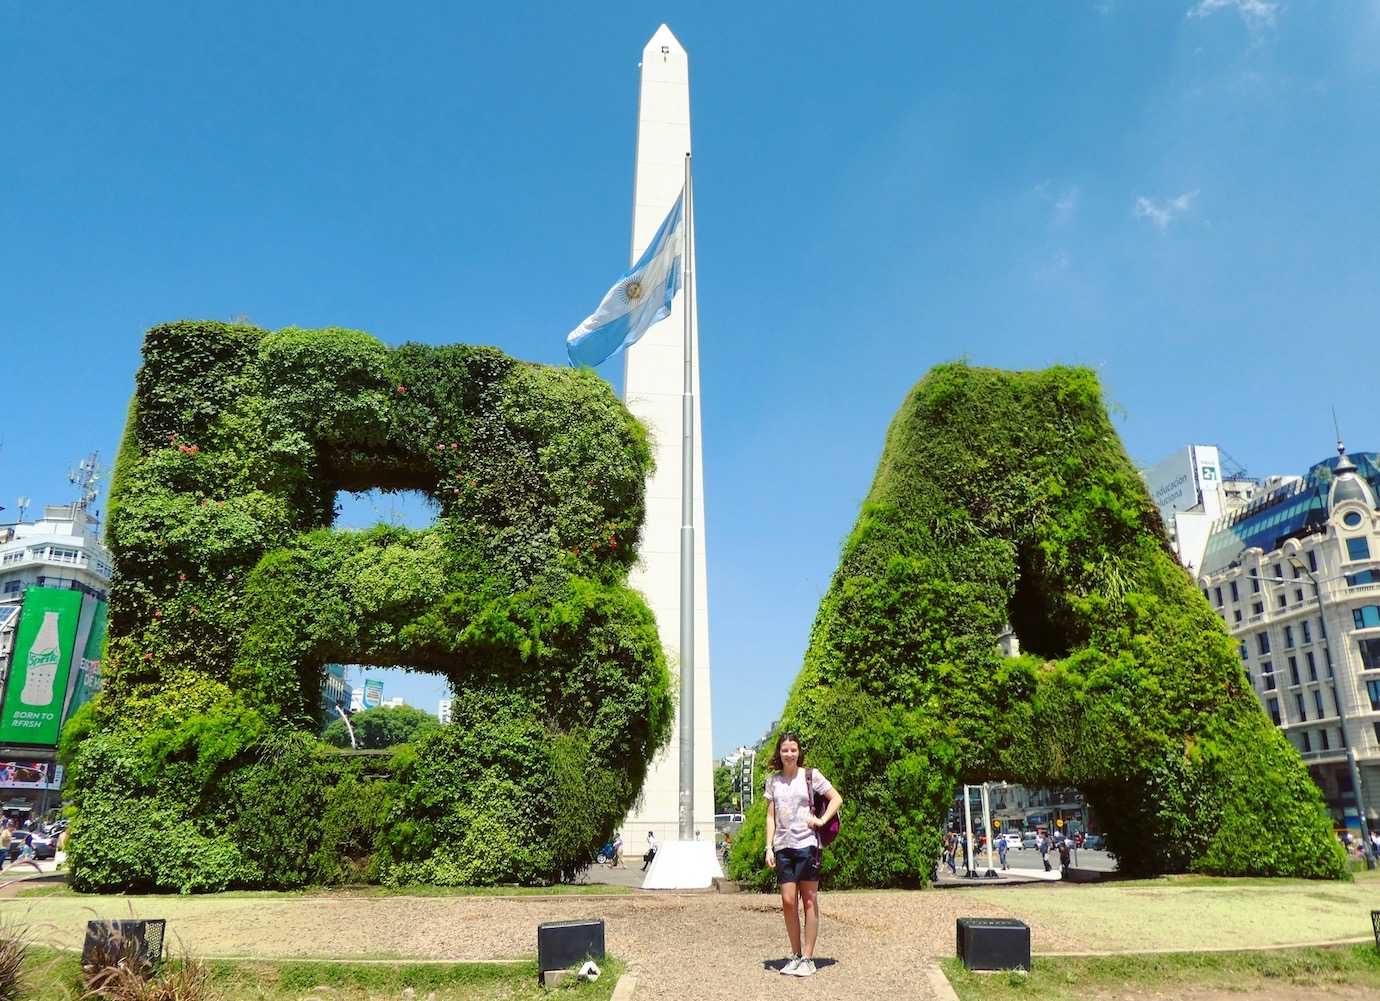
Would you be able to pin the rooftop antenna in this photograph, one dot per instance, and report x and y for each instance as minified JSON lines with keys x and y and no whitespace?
{"x":1341,"y":449}
{"x":84,"y":476}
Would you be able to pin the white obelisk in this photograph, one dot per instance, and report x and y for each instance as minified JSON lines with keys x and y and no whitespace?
{"x":653,"y":382}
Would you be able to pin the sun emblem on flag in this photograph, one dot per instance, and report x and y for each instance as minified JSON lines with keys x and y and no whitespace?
{"x":632,"y":291}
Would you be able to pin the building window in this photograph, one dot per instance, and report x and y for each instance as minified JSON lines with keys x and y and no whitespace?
{"x":1236,"y":615}
{"x":1283,"y":599}
{"x":1373,"y":690}
{"x":1268,"y":680}
{"x":1289,"y":637}
{"x":1313,"y":560}
{"x":1358,"y":548}
{"x":1217,"y":595}
{"x":1293,"y":671}
{"x":1307,"y":744}
{"x":1318,"y":703}
{"x":1376,"y":727}
{"x":1370,"y":654}
{"x":14,"y":557}
{"x":1262,"y":642}
{"x":1351,"y":519}
{"x":1255,"y":583}
{"x":1307,"y":631}
{"x":1327,"y":656}
{"x":1249,"y":680}
{"x":1298,"y":703}
{"x":1364,"y":577}
{"x":1322,"y":735}
{"x":1366,"y":617}
{"x":1279,"y":572}
{"x":1298,"y":595}
{"x":1244,"y":652}
{"x":13,"y":586}
{"x":1272,"y":706}
{"x":1257,"y":607}
{"x":1312,"y":666}
{"x":1235,"y":594}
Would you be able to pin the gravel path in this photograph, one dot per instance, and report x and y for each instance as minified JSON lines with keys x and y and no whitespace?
{"x":873,"y":944}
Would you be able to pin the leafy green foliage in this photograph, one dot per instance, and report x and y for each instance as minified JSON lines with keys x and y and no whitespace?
{"x":725,"y":794}
{"x":196,"y":767}
{"x":1007,"y":497}
{"x":381,"y":727}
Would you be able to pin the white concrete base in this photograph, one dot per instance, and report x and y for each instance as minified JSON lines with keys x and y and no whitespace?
{"x":683,"y":865}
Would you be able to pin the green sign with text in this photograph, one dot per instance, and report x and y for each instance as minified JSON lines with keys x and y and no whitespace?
{"x":37,"y":682}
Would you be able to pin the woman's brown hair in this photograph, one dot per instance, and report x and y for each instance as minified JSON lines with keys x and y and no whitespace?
{"x":775,"y":762}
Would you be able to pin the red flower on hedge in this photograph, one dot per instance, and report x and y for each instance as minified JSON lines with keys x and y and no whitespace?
{"x":402,"y":389}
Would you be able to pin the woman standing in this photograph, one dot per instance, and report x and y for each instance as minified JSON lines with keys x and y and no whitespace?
{"x":793,"y":844}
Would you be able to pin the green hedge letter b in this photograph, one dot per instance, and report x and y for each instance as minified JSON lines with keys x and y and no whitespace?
{"x":198,"y":767}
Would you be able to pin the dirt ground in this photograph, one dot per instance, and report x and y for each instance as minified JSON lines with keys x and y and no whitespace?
{"x":873,"y":944}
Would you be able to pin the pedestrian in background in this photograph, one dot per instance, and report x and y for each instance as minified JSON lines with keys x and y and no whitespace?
{"x":1042,"y":843}
{"x":651,"y":851}
{"x":617,"y":850}
{"x":1001,"y":849}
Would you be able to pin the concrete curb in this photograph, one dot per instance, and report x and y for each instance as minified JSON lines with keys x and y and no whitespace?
{"x":627,"y":987}
{"x":943,"y":990}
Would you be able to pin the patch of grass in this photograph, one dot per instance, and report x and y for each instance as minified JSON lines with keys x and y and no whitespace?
{"x":560,"y":889}
{"x":1059,"y":978}
{"x":47,"y":890}
{"x":55,"y":975}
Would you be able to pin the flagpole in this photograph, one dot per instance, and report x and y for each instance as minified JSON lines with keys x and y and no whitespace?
{"x":687,"y":538}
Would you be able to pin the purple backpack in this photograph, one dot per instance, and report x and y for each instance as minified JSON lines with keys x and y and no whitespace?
{"x":819,"y":802}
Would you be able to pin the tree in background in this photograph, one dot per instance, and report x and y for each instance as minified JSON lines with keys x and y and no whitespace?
{"x":382,"y":727}
{"x":725,"y":795}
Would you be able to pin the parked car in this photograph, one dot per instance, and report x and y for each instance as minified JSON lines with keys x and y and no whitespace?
{"x":1095,"y":843}
{"x":1013,"y":839}
{"x":1028,"y":839}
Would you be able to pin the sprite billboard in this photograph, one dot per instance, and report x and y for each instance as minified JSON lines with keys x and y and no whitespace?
{"x":42,"y":659}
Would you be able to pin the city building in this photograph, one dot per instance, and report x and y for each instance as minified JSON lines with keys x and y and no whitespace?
{"x":1295,"y":576}
{"x":54,"y":580}
{"x":335,"y":691}
{"x":1192,"y":492}
{"x":443,"y":710}
{"x":61,"y":550}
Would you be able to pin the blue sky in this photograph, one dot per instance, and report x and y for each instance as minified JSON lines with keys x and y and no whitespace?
{"x":1181,"y":195}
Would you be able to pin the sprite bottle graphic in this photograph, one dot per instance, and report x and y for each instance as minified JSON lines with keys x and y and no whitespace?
{"x":44,"y":657}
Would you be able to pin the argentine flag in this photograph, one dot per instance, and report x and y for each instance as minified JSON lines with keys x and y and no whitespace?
{"x":638,"y":299}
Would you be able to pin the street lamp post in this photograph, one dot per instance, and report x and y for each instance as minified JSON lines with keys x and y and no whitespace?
{"x":1352,"y":765}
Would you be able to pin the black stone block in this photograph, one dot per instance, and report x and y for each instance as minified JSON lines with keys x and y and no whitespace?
{"x":994,"y":943}
{"x":561,"y":944}
{"x":111,"y":940}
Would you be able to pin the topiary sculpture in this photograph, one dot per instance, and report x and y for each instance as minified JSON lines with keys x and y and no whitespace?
{"x":196,"y":767}
{"x":1006,"y":497}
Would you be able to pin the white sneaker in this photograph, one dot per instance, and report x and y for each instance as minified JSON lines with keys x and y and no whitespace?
{"x":791,"y":965}
{"x":804,"y":968}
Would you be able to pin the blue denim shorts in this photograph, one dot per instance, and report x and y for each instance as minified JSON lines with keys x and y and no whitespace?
{"x":796,"y":864}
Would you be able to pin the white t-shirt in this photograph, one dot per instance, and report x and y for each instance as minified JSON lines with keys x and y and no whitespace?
{"x":793,"y":806}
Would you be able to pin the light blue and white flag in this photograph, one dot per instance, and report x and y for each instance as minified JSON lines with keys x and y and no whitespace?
{"x":638,"y":299}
